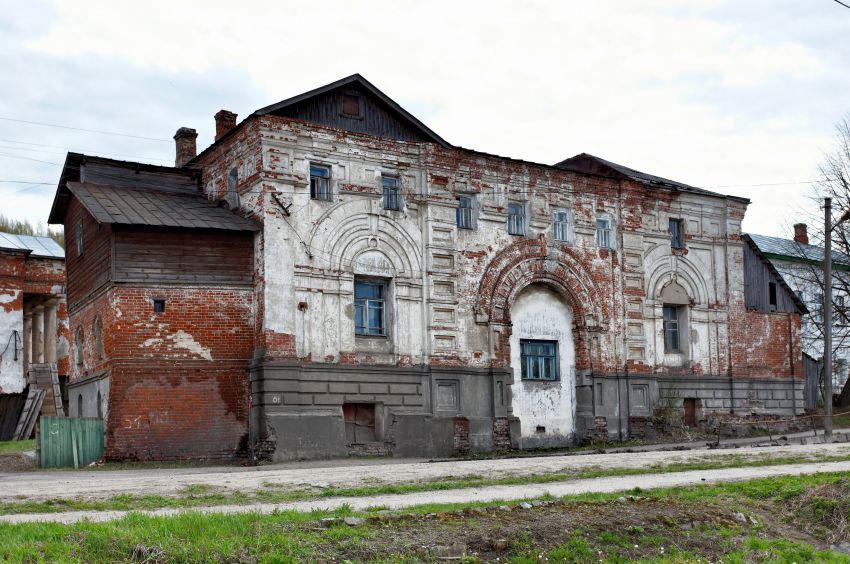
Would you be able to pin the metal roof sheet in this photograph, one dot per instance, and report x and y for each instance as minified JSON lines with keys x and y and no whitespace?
{"x":132,"y":206}
{"x":39,"y":246}
{"x":795,"y":250}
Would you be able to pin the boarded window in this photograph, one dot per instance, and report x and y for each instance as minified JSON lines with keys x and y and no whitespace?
{"x":677,"y":238}
{"x":97,"y":333}
{"x":539,"y":359}
{"x":79,"y":238}
{"x":359,"y":422}
{"x":351,"y":105}
{"x":79,"y":347}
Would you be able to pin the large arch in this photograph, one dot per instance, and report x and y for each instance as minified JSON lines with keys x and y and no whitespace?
{"x":536,"y":262}
{"x":348,"y":230}
{"x":662,"y":267}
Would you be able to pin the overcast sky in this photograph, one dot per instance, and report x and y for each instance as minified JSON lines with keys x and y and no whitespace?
{"x":736,"y":96}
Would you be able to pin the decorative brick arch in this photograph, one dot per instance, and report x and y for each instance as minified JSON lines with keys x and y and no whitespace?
{"x":536,"y":262}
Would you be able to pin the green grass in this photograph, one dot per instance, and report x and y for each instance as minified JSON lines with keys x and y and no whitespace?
{"x":12,"y":447}
{"x":292,"y":536}
{"x":202,"y":495}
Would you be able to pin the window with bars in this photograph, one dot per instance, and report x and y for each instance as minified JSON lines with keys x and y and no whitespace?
{"x":392,"y":199}
{"x":320,"y":182}
{"x":369,"y":302}
{"x":464,"y":212}
{"x":539,"y":359}
{"x":677,"y":233}
{"x":604,"y":233}
{"x":562,"y":221}
{"x":671,"y":329}
{"x":516,"y":219}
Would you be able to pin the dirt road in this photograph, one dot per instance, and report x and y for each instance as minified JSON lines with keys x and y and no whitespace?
{"x":98,"y":484}
{"x":489,"y":493}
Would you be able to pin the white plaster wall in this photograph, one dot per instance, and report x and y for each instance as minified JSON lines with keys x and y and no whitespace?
{"x":11,"y":370}
{"x":539,"y":313}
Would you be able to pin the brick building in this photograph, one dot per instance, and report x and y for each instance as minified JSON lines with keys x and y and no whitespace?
{"x":33,"y":313}
{"x":356,"y":284}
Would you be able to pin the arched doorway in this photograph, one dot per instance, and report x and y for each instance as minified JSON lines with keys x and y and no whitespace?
{"x":542,"y":348}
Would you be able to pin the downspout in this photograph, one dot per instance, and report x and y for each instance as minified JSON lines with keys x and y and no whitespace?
{"x":728,"y":309}
{"x":424,"y":208}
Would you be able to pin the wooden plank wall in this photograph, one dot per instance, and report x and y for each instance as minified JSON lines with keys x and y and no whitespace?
{"x":88,"y":272}
{"x":757,"y":277}
{"x":183,"y":256}
{"x":376,"y":118}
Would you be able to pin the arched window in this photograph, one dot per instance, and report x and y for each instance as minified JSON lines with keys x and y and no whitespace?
{"x":97,"y":333}
{"x":99,"y":405}
{"x":79,"y":347}
{"x":675,"y":302}
{"x":80,"y":405}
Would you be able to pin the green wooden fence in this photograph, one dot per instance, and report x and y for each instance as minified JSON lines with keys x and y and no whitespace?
{"x":70,"y":441}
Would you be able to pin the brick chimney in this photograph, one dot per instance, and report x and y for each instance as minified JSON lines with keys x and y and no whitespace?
{"x":185,"y":143}
{"x":801,"y":234}
{"x":224,"y":122}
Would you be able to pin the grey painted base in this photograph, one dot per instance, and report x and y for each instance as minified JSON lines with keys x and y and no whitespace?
{"x":323,"y":411}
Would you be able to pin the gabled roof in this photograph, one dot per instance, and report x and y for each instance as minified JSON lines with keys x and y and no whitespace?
{"x":801,"y":307}
{"x":590,"y":164}
{"x":34,"y":246}
{"x":131,"y":206}
{"x":357,"y":80}
{"x":113,"y":172}
{"x":790,"y":250}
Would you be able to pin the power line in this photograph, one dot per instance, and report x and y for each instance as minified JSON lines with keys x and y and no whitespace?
{"x":28,"y":159}
{"x":842,"y":3}
{"x":24,"y":182}
{"x":84,"y":129}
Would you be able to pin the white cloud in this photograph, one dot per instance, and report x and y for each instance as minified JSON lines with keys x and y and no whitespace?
{"x":700,"y":92}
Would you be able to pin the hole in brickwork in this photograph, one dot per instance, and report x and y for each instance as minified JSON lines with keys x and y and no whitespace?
{"x":540,"y":429}
{"x":159,"y":305}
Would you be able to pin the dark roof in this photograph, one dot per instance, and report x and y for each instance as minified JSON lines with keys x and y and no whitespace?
{"x":33,"y":245}
{"x":801,"y":307}
{"x":113,"y":172}
{"x":132,"y":206}
{"x":791,"y":250}
{"x":591,"y":164}
{"x":358,"y":80}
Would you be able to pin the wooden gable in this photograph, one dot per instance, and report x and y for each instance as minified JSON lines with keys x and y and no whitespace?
{"x":354,"y":104}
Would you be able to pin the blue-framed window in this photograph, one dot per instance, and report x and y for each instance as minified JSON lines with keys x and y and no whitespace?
{"x":539,"y":359}
{"x":320,"y":182}
{"x":392,"y":199}
{"x":516,"y":219}
{"x":464,"y":212}
{"x":369,"y":308}
{"x":671,"y":329}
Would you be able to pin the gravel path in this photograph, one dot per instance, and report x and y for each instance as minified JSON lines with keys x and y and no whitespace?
{"x":489,"y":493}
{"x":99,"y":484}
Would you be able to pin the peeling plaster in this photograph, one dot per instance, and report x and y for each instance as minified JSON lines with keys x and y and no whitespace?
{"x":179,"y":340}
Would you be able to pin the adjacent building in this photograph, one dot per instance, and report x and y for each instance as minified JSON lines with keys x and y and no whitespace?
{"x":331,"y":277}
{"x":33,"y":313}
{"x":801,"y":265}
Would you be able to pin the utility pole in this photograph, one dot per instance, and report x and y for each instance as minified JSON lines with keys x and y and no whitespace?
{"x":827,"y":318}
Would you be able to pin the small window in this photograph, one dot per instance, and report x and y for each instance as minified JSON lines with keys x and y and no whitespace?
{"x":562,"y":222}
{"x":771,"y":291}
{"x":79,"y":237}
{"x":351,"y":105}
{"x":464,"y":212}
{"x":516,"y":219}
{"x":159,"y":305}
{"x":677,"y":234}
{"x":369,"y":308}
{"x":818,"y":306}
{"x":539,"y":359}
{"x":391,"y":192}
{"x":838,"y":310}
{"x":80,"y":405}
{"x":671,"y":329}
{"x":320,"y":182}
{"x":604,"y":237}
